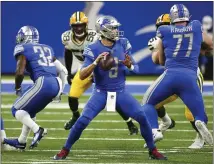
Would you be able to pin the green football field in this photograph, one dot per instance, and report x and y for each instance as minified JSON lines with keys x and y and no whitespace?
{"x":106,"y":139}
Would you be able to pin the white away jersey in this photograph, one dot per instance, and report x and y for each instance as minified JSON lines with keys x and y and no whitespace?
{"x":78,"y":48}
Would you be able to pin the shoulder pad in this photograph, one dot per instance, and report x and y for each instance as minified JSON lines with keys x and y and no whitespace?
{"x":66,"y":37}
{"x":18,"y":50}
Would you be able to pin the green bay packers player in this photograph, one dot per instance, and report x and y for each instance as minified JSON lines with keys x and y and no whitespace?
{"x":75,"y":40}
{"x":166,"y":121}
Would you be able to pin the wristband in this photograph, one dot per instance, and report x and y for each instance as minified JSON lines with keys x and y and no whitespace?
{"x":95,"y":63}
{"x":131,"y":68}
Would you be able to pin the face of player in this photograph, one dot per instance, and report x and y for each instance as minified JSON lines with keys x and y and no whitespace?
{"x":79,"y":30}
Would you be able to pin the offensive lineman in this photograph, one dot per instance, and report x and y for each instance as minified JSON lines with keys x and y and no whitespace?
{"x":166,"y":123}
{"x":75,"y":40}
{"x":178,"y":49}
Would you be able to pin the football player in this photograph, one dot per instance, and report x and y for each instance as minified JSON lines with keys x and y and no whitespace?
{"x":37,"y":59}
{"x":109,"y":85}
{"x":168,"y":123}
{"x":178,"y":49}
{"x":75,"y":40}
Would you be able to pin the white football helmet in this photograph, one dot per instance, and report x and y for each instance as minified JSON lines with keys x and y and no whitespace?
{"x":179,"y":13}
{"x":27,"y":34}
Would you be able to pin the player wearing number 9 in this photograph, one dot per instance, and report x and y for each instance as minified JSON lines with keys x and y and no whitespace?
{"x":107,"y":82}
{"x":75,"y":40}
{"x":38,"y":60}
{"x":178,"y":49}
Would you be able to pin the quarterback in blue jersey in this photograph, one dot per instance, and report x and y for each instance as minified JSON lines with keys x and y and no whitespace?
{"x":109,"y":85}
{"x":39,"y":61}
{"x":178,"y":49}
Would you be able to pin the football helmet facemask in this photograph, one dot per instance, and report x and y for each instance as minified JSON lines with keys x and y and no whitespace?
{"x":79,"y":24}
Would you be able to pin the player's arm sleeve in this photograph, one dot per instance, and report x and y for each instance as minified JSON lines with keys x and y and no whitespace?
{"x":19,"y":50}
{"x":20,"y":68}
{"x":89,"y":57}
{"x":134,"y":67}
{"x":68,"y":56}
{"x":62,"y":71}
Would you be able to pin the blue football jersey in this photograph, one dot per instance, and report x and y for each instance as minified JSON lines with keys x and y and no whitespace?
{"x":114,"y":79}
{"x":181,"y":44}
{"x":39,"y":59}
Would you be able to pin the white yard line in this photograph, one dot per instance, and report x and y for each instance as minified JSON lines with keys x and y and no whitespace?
{"x":97,"y":129}
{"x":82,"y":105}
{"x":94,"y":121}
{"x":109,"y":139}
{"x":72,"y":162}
{"x":131,"y":82}
{"x":100,"y":114}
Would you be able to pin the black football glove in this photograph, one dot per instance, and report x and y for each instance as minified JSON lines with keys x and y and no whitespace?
{"x":69,"y":78}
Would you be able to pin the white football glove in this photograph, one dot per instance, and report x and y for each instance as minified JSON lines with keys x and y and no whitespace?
{"x":152,"y":44}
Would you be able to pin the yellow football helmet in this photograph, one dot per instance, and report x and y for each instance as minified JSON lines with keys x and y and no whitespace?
{"x":79,"y":23}
{"x":164,"y":19}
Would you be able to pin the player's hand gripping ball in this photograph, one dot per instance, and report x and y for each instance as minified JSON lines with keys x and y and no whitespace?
{"x":107,"y":62}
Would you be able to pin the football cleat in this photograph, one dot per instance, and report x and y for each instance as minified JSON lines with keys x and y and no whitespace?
{"x":15,"y":143}
{"x":68,"y":125}
{"x":206,"y":135}
{"x":133,"y":130}
{"x":62,"y":154}
{"x":154,"y":154}
{"x":198,"y":143}
{"x":37,"y":137}
{"x":6,"y":147}
{"x":158,"y":136}
{"x":166,"y":125}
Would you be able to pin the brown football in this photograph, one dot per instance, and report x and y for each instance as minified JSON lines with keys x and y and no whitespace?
{"x":107,"y":63}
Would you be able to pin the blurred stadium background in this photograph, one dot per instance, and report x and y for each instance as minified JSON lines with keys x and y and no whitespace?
{"x":106,"y":139}
{"x":137,"y":19}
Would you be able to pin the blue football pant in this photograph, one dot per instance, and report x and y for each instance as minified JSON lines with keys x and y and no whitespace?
{"x":182,"y":83}
{"x":128,"y":105}
{"x":37,"y":97}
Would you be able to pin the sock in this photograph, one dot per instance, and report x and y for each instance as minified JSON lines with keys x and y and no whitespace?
{"x":3,"y":135}
{"x":129,"y":122}
{"x":193,"y":125}
{"x":24,"y":134}
{"x":161,"y":112}
{"x":151,"y":115}
{"x":166,"y":118}
{"x":25,"y":119}
{"x":76,"y":114}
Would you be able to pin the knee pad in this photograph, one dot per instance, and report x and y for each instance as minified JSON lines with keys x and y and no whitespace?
{"x":188,"y":114}
{"x":82,"y":123}
{"x":73,"y":103}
